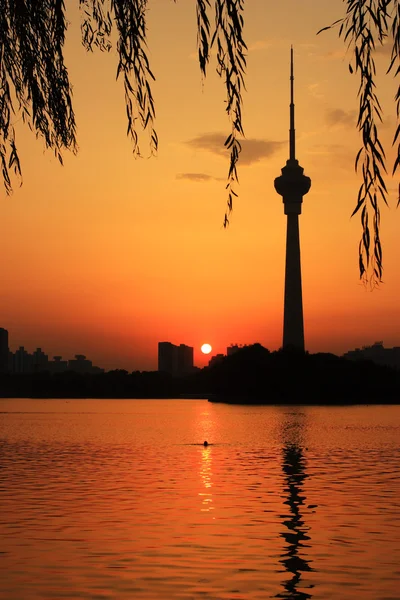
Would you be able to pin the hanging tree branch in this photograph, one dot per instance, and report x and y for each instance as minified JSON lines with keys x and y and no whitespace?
{"x":231,"y":64}
{"x":33,"y":74}
{"x":31,"y":58}
{"x":395,"y":66}
{"x":228,"y":38}
{"x":366,"y":23}
{"x":203,"y":34}
{"x":96,"y":24}
{"x":130,"y":17}
{"x":32,"y":71}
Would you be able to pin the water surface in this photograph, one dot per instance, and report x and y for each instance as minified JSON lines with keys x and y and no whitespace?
{"x":118,"y":499}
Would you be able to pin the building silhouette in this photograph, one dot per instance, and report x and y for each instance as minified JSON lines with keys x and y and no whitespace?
{"x":58,"y":365}
{"x":377,"y":353}
{"x":185,"y":359}
{"x":40,"y":360}
{"x":167,"y":357}
{"x":175,"y":360}
{"x":80,"y":364}
{"x":292,"y":185}
{"x":3,"y":350}
{"x":21,"y":361}
{"x":216,"y":359}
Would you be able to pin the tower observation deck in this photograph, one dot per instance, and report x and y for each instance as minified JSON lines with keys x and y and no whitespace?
{"x":292,"y":185}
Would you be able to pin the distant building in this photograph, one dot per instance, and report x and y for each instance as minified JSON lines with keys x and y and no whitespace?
{"x":58,"y":365}
{"x":175,"y":360}
{"x":185,"y":359}
{"x":40,"y":360}
{"x":4,"y":367}
{"x":10,"y":361}
{"x":23,"y":361}
{"x":80,"y":364}
{"x":377,"y":353}
{"x":214,"y":360}
{"x":167,"y":357}
{"x":233,"y":348}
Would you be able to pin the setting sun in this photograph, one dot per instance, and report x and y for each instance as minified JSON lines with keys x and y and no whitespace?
{"x":206,"y":348}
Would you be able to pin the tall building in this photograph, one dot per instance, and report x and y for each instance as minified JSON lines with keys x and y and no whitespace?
{"x":175,"y":360}
{"x":167,"y":357}
{"x":292,"y":185}
{"x":3,"y":350}
{"x":185,"y":359}
{"x":23,"y":361}
{"x":40,"y":360}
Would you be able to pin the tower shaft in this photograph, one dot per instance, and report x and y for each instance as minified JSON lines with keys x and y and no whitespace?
{"x":293,"y":325}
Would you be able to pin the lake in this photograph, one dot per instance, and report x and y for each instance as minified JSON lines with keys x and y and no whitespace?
{"x":119,"y":499}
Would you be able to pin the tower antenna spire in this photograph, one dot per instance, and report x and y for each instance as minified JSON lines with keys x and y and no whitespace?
{"x":292,"y":135}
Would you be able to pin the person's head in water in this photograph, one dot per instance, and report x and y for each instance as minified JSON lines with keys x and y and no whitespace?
{"x":205,"y":443}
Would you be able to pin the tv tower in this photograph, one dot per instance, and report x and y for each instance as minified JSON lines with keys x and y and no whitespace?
{"x":292,"y":185}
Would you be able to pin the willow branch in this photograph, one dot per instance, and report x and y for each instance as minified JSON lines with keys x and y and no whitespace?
{"x":231,"y":65}
{"x":367,"y":23}
{"x":32,"y":71}
{"x":134,"y":66}
{"x":96,"y":24}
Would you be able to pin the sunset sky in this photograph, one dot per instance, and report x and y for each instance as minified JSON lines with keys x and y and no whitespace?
{"x":108,"y":255}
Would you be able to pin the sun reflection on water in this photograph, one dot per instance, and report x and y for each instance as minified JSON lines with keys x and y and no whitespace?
{"x":206,"y":477}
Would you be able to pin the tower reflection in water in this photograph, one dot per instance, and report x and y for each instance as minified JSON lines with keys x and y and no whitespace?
{"x":296,"y":532}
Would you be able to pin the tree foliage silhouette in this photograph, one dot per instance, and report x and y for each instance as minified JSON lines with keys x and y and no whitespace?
{"x":34,"y":83}
{"x":366,"y":24}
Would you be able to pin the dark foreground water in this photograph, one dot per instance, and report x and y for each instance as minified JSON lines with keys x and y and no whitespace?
{"x":119,"y":499}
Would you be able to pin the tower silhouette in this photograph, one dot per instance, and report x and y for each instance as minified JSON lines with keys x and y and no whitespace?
{"x":292,"y":185}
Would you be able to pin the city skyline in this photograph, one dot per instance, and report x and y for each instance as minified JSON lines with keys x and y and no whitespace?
{"x":110,"y":255}
{"x":23,"y":361}
{"x":175,"y":359}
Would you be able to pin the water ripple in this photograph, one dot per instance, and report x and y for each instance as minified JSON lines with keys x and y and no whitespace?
{"x":120,"y":499}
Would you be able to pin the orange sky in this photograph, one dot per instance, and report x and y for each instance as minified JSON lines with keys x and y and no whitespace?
{"x":108,"y":255}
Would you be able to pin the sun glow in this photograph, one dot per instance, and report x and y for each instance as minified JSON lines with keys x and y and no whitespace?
{"x":206,"y":348}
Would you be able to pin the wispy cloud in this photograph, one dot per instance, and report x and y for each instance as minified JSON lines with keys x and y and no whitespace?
{"x":337,"y":117}
{"x":327,"y":154}
{"x":335,"y":55}
{"x":260,"y":45}
{"x":340,"y":117}
{"x":253,"y":150}
{"x":381,"y":49}
{"x":314,"y":90}
{"x":198,"y":177}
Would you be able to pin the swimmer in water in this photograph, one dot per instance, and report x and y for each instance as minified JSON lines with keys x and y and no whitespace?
{"x":205,"y":443}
